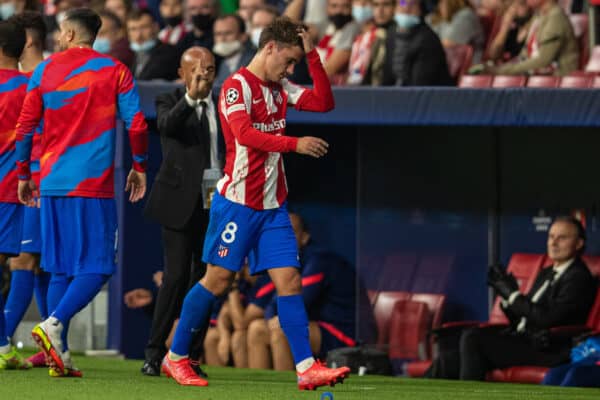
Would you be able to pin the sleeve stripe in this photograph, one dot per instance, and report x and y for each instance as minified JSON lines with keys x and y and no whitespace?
{"x":294,"y":91}
{"x":234,"y":108}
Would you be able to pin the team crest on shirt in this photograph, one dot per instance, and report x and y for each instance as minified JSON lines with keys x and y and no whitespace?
{"x":223,"y":251}
{"x":277,"y":96}
{"x":232,"y":95}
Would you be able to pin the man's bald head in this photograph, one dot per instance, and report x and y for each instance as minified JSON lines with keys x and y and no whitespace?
{"x":197,"y":61}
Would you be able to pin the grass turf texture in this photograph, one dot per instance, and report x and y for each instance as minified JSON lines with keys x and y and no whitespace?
{"x":106,"y":378}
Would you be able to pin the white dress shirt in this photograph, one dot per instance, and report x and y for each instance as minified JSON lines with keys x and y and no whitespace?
{"x":212,"y":124}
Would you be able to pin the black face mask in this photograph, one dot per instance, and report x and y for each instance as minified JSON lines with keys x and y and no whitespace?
{"x":203,"y":22}
{"x":339,"y":20}
{"x":173,"y":21}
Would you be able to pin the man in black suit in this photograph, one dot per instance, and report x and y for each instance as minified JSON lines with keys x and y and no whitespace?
{"x":562,"y":294}
{"x":191,"y":144}
{"x":153,"y":59}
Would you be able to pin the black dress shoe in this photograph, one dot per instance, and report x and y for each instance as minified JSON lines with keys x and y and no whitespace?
{"x":151,"y":368}
{"x":198,"y":370}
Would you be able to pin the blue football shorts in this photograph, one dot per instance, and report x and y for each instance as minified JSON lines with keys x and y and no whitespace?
{"x":31,"y":239}
{"x":79,"y":235}
{"x":235,"y":232}
{"x":11,"y":226}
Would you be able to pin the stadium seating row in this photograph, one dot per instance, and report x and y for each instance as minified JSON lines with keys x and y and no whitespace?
{"x":525,"y":268}
{"x":577,"y":81}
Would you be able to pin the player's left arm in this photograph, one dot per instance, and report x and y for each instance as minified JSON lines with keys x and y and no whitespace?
{"x":320,"y":97}
{"x":128,"y":104}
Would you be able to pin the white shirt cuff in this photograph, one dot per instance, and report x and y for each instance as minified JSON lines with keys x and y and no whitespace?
{"x":513,"y":296}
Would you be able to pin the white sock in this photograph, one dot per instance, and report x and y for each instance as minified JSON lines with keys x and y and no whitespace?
{"x":305,"y":364}
{"x":176,"y":357}
{"x":5,"y":349}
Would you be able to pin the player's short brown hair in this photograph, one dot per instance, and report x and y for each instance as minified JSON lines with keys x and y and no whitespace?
{"x":283,"y":31}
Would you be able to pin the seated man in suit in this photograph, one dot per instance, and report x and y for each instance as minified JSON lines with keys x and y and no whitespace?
{"x":562,"y":294}
{"x":153,"y":59}
{"x":232,"y":44}
{"x":191,"y":143}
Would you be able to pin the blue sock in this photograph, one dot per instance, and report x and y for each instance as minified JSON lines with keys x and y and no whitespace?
{"x":57,"y":287}
{"x":81,"y":291}
{"x":19,"y":298}
{"x":3,"y":337}
{"x":40,"y":289}
{"x":294,"y":323}
{"x":196,"y":309}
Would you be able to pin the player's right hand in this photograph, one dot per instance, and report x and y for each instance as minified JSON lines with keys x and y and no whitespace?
{"x":312,"y":146}
{"x":25,"y":193}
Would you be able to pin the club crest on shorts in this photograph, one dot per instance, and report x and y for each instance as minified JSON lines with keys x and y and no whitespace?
{"x":232,"y":95}
{"x":223,"y":251}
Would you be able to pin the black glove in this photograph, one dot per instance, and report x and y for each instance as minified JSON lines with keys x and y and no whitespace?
{"x":504,"y":284}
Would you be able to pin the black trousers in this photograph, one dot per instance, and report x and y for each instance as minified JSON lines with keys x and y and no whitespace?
{"x":482,"y":350}
{"x":183,"y":268}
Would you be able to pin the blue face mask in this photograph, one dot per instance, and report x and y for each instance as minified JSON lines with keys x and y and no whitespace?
{"x":362,"y":13}
{"x":7,"y":10}
{"x":407,"y":21}
{"x":102,"y":45}
{"x":146,"y":46}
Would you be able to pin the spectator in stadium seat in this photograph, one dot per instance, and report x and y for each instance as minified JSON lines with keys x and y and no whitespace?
{"x":335,"y":47}
{"x":513,"y":31}
{"x":232,"y":44}
{"x":121,"y":8}
{"x":153,"y":59}
{"x":171,"y":12}
{"x":372,"y":51}
{"x":419,"y":58}
{"x":202,"y":14}
{"x":261,"y":18}
{"x":551,"y":45}
{"x":112,"y":40}
{"x":330,"y":296}
{"x":455,"y":22}
{"x":561,"y":295}
{"x":246,"y":10}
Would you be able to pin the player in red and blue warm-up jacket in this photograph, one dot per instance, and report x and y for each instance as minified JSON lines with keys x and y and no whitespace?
{"x":79,"y":93}
{"x":13,"y":86}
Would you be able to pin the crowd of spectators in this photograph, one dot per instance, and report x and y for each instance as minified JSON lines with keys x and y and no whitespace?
{"x":361,"y":42}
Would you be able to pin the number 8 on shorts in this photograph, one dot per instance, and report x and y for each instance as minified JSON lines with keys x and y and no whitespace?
{"x":228,"y":235}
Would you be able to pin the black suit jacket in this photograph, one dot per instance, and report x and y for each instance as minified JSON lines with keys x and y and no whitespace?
{"x":177,"y":189}
{"x":567,"y":302}
{"x":163,"y":64}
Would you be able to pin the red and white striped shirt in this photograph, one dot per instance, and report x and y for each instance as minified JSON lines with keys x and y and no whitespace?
{"x":172,"y":35}
{"x":252,"y":114}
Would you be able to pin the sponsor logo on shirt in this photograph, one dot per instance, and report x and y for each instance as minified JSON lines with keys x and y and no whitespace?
{"x":270,"y":127}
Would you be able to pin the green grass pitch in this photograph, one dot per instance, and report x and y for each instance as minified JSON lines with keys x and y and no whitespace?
{"x":106,"y":378}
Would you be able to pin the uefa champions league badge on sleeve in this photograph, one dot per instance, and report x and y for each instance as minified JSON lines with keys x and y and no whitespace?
{"x":209,"y":185}
{"x":327,"y":396}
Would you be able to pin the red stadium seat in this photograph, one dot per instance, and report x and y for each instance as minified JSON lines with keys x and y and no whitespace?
{"x":543,"y":81}
{"x":580,"y":24}
{"x":435,"y":306}
{"x":525,"y":268}
{"x":535,"y":374}
{"x":382,"y":310}
{"x":509,"y":81}
{"x":408,"y":330}
{"x":576,"y":82}
{"x":475,"y":81}
{"x":459,"y":59}
{"x":596,"y":83}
